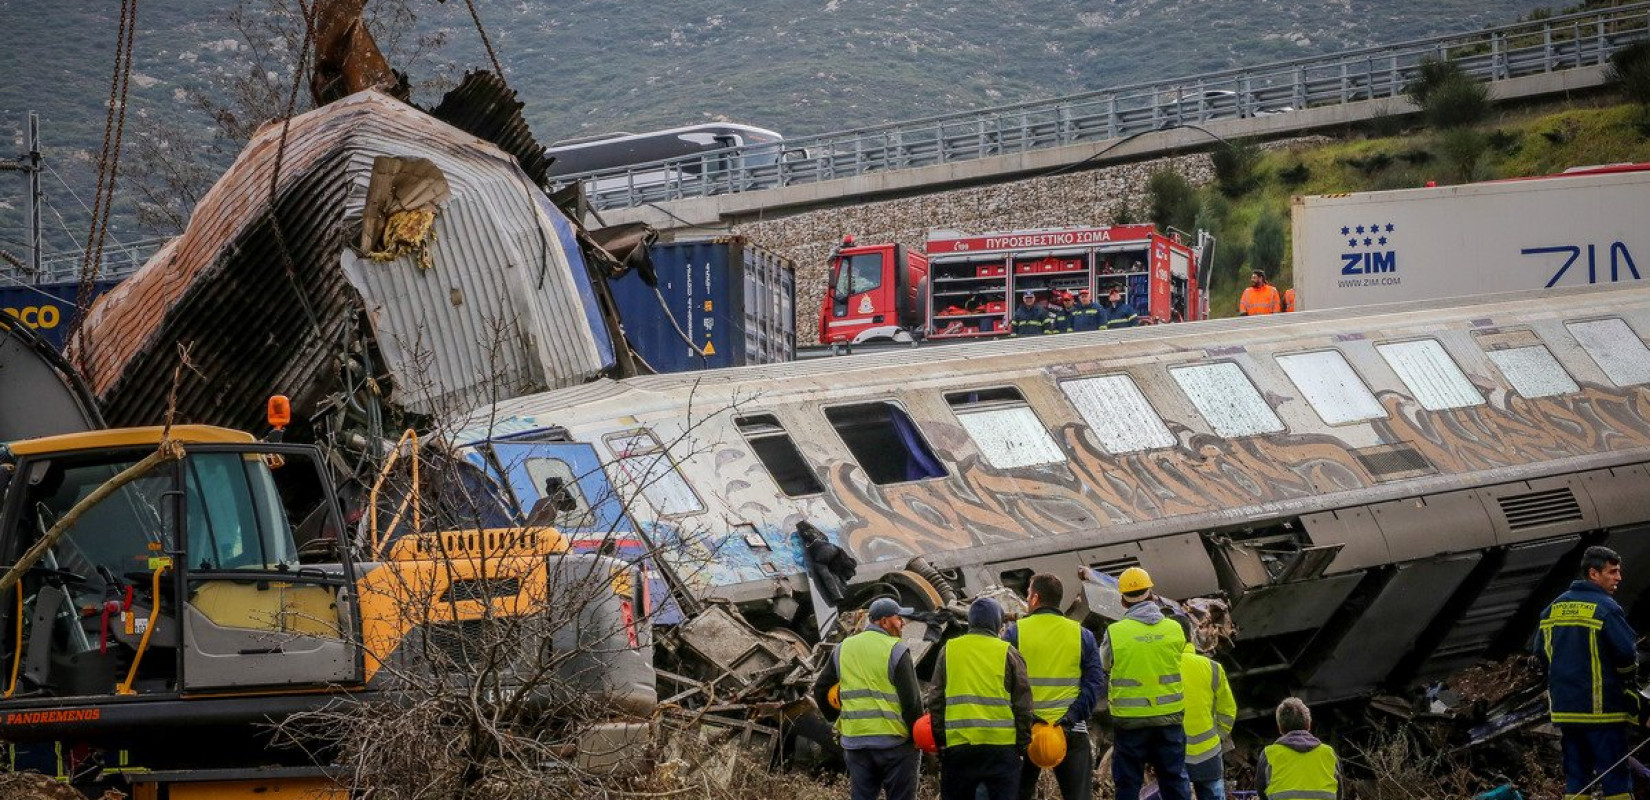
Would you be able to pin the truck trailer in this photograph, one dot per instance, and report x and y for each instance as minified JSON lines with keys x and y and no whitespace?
{"x":1580,"y":228}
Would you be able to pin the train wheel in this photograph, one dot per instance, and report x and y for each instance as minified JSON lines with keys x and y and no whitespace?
{"x":914,"y":590}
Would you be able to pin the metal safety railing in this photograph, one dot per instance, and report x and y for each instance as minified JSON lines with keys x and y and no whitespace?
{"x":1528,"y":48}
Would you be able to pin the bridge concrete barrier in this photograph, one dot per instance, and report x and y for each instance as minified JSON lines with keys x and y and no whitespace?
{"x":720,"y":211}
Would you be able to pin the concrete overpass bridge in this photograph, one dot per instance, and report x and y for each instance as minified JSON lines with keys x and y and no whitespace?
{"x":1529,"y":60}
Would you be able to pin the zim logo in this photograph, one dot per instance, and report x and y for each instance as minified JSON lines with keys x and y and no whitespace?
{"x":1368,"y":263}
{"x":1364,"y":258}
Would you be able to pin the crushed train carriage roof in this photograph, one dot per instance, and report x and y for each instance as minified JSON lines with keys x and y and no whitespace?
{"x":506,"y":307}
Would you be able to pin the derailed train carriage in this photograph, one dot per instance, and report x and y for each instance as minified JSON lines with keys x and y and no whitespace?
{"x":1384,"y":496}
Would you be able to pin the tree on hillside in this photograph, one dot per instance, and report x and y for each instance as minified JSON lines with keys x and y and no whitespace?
{"x":1267,"y":243}
{"x":1237,"y":167}
{"x":1171,"y":200}
{"x":1629,"y":73}
{"x":1448,"y":96}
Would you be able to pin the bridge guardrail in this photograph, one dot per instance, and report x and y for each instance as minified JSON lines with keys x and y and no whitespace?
{"x":1528,"y":48}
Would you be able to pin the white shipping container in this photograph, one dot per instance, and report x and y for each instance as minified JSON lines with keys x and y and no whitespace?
{"x":1484,"y":238}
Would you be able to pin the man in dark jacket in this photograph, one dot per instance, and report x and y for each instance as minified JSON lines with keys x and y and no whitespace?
{"x":1297,"y":766}
{"x":1030,"y":319}
{"x":880,"y":703}
{"x":980,"y":700}
{"x":1085,"y":315}
{"x":1118,"y":313}
{"x":1590,"y":654}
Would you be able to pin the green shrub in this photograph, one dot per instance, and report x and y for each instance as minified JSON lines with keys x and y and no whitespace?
{"x":1267,"y":243}
{"x":1171,"y":200}
{"x":1237,"y":167}
{"x":1448,"y":97}
{"x":1629,"y":72}
{"x":1295,"y":174}
{"x":1463,"y":151}
{"x":1416,"y":157}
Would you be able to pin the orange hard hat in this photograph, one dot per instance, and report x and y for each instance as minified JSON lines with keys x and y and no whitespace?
{"x":1048,"y":745}
{"x":923,"y":734}
{"x":834,"y":696}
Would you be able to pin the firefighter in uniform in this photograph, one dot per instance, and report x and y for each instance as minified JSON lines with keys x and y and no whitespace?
{"x":1118,"y":313}
{"x":980,"y":704}
{"x":1297,"y":766}
{"x":1590,"y":654}
{"x":1141,"y":654}
{"x":1030,"y":319}
{"x":1260,"y":298}
{"x":1063,"y":665}
{"x":1085,"y":315}
{"x":881,"y":700}
{"x":1211,"y":710}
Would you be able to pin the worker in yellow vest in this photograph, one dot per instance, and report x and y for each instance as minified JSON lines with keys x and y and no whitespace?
{"x":1210,"y":713}
{"x":1141,"y":655}
{"x":881,"y":700}
{"x":1297,"y":766}
{"x":1063,"y":666}
{"x":980,"y":704}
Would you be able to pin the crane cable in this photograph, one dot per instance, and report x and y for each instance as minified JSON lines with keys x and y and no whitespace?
{"x":287,"y":262}
{"x":114,"y":129}
{"x":108,"y":166}
{"x":486,"y":43}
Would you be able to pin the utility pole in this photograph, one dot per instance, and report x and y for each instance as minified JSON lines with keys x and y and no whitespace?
{"x":37,"y":239}
{"x":30,"y":163}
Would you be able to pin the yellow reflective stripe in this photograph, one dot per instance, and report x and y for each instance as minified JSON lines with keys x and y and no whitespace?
{"x":1131,"y":702}
{"x":873,"y":713}
{"x":1170,"y":678}
{"x":861,"y":694}
{"x":1054,"y":681}
{"x":1127,"y":683}
{"x":1165,"y":699}
{"x":1598,"y":675}
{"x":977,"y":700}
{"x":1226,"y":719}
{"x":1595,"y":624}
{"x":1562,"y":717}
{"x":1202,"y":737}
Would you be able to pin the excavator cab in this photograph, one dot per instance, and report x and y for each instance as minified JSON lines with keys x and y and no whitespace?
{"x":216,"y":572}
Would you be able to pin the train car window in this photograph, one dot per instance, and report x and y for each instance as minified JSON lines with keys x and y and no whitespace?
{"x":1532,"y":371}
{"x":885,"y":442}
{"x":562,"y":497}
{"x":1118,"y":413}
{"x":643,"y":467}
{"x":1227,"y":399}
{"x":1432,"y":376}
{"x":1331,"y":387}
{"x":1615,"y":348}
{"x":1006,"y":430}
{"x":776,"y":451}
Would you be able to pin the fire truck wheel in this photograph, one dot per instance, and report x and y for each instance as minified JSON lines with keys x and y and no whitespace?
{"x":34,"y":786}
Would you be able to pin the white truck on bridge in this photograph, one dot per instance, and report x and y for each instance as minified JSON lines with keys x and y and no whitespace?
{"x":1583,"y":227}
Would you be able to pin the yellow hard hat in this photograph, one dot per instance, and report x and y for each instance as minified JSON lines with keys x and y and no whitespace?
{"x":1048,"y":745}
{"x":1134,"y":580}
{"x":834,"y":697}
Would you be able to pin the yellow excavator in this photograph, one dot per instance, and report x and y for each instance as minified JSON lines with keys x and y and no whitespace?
{"x":170,"y":592}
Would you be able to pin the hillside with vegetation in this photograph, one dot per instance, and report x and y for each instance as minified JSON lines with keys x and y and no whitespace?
{"x":204,"y":74}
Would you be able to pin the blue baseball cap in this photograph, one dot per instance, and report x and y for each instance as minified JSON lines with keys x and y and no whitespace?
{"x":885,"y":607}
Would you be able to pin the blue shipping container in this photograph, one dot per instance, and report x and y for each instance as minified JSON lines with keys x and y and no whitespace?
{"x":735,"y":300}
{"x":49,"y":308}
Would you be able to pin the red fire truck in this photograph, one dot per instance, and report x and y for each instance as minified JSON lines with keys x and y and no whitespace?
{"x":966,"y":285}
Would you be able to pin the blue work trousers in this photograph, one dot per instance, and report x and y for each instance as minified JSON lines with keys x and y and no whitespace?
{"x":966,"y":769}
{"x":1592,"y":750}
{"x":1161,"y":746}
{"x":876,"y":770}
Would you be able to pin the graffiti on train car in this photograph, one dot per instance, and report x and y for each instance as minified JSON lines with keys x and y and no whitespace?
{"x":979,"y":505}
